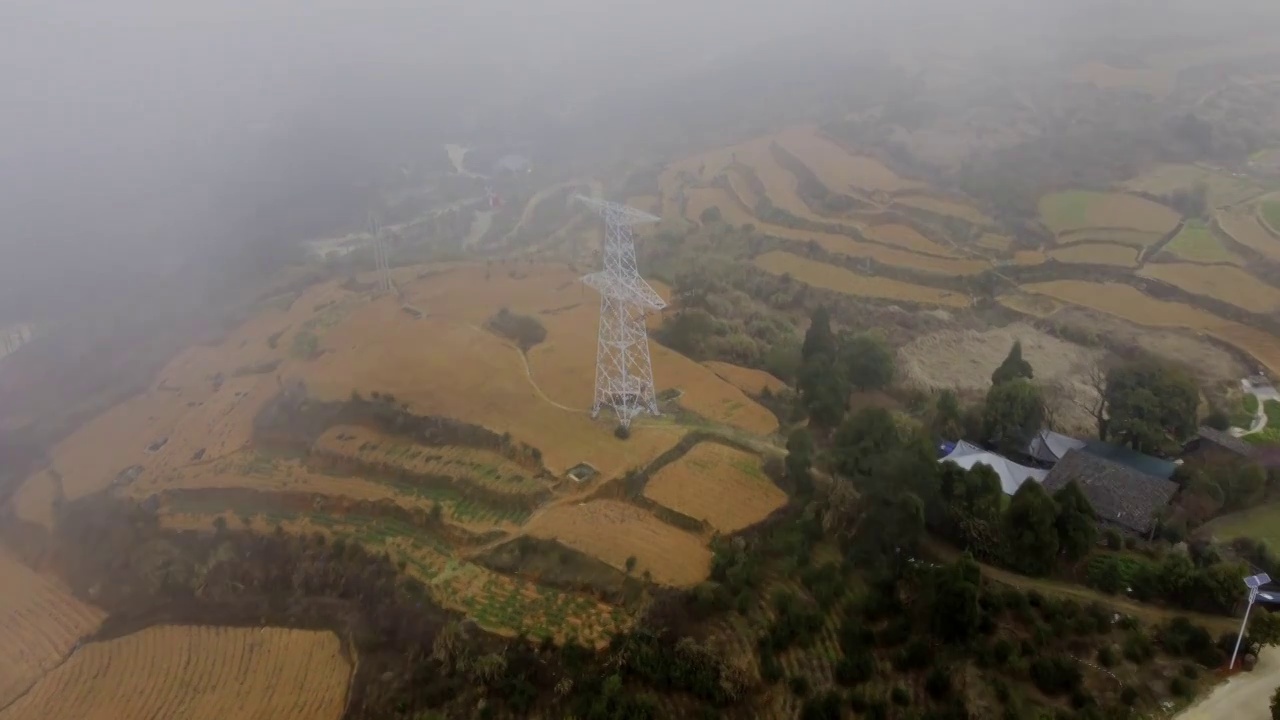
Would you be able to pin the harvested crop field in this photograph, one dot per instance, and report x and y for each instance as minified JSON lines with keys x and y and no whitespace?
{"x":613,"y":531}
{"x":1269,"y":212}
{"x":1196,"y":243}
{"x":1096,"y":254}
{"x":480,"y":467}
{"x":840,"y":280}
{"x":1156,"y":82}
{"x":963,"y":360}
{"x":908,"y":238}
{"x":991,"y":241}
{"x":837,"y":168}
{"x":1134,"y":238}
{"x":196,"y":673}
{"x":40,"y":624}
{"x":1223,"y":282}
{"x":1168,"y":179}
{"x":941,"y":206}
{"x":748,"y":380}
{"x":1243,"y":227}
{"x":724,"y":486}
{"x":34,"y":500}
{"x":1077,"y":209}
{"x":697,"y":200}
{"x":1129,"y":304}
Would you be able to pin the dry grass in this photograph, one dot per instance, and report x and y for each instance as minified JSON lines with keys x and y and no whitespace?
{"x":941,"y":206}
{"x":748,"y":380}
{"x":908,"y":238}
{"x":1134,"y":238}
{"x":1037,"y":306}
{"x":836,"y":167}
{"x":834,"y":278}
{"x":1076,"y":210}
{"x":724,"y":486}
{"x":1129,"y":304}
{"x":613,"y":531}
{"x":1152,"y":81}
{"x":963,"y":360}
{"x":1167,"y":179}
{"x":42,"y":623}
{"x":196,"y":673}
{"x":1228,"y":284}
{"x":33,"y":502}
{"x":1243,"y":226}
{"x":742,"y":189}
{"x":990,"y":241}
{"x":1096,"y":254}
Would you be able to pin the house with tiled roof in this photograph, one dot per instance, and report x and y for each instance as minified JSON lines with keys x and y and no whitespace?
{"x":1122,"y":496}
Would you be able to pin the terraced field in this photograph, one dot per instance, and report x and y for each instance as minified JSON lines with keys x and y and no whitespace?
{"x":724,"y":486}
{"x":1196,"y":243}
{"x":1134,"y":238}
{"x":1096,"y":254}
{"x":1167,"y":179}
{"x":941,"y":206}
{"x":748,"y":380}
{"x":838,"y":169}
{"x":40,"y":624}
{"x":197,"y":673}
{"x":1243,"y":226}
{"x":1222,"y":282}
{"x":908,"y":238}
{"x":840,"y":280}
{"x":1077,"y":210}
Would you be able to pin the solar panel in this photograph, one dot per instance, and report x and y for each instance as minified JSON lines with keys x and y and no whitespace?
{"x":1257,"y":581}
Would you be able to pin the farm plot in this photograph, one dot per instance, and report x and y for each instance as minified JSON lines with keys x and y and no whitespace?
{"x":1156,"y":82}
{"x":1260,"y":523}
{"x":942,"y":206}
{"x":1131,"y":238}
{"x":1196,"y":243}
{"x":1127,"y":303}
{"x":748,"y":380}
{"x":1224,"y":190}
{"x":837,"y":168}
{"x":1243,"y":226}
{"x":722,"y":485}
{"x":614,"y":531}
{"x":482,"y":467}
{"x":34,"y":500}
{"x":908,"y":238}
{"x":840,"y":280}
{"x":1076,"y":210}
{"x":1222,"y":282}
{"x":1096,"y":254}
{"x":197,"y":673}
{"x":1269,"y":211}
{"x":40,"y":624}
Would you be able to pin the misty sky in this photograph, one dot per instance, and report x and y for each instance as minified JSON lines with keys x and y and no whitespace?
{"x":132,"y":131}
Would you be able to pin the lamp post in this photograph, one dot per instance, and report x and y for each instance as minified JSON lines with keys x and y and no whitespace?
{"x":1253,"y":582}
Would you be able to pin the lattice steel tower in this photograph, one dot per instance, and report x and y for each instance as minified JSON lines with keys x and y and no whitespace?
{"x":624,"y":374}
{"x":380,"y":254}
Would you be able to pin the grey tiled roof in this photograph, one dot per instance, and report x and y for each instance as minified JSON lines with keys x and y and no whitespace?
{"x":1118,"y":493}
{"x":1225,"y":441}
{"x":1049,"y":446}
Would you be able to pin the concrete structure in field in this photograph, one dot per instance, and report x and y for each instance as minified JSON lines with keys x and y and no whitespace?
{"x":624,"y":373}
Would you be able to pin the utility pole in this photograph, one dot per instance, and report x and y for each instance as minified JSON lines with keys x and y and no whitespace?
{"x":1253,"y":582}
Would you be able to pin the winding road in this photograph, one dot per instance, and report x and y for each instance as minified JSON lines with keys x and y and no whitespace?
{"x":1246,"y":696}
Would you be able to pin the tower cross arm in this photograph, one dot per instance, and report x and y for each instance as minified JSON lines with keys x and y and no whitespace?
{"x":632,"y":290}
{"x":617,"y":212}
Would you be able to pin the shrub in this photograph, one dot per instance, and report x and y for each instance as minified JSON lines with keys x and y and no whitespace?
{"x":799,"y":685}
{"x":938,"y":683}
{"x":900,"y":696}
{"x":1114,"y":540}
{"x":1107,"y":656}
{"x":524,"y":330}
{"x":1180,"y":687}
{"x":855,"y":669}
{"x":1137,"y":647}
{"x":823,"y":707}
{"x":622,"y":432}
{"x":1055,"y":674}
{"x":1129,"y":696}
{"x":914,"y":656}
{"x":1002,"y":650}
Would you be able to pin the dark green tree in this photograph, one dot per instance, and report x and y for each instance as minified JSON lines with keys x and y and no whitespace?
{"x":818,"y":339}
{"x":1077,"y":529}
{"x":956,"y":615}
{"x":865,"y":443}
{"x":1151,"y":406}
{"x":1013,"y":366}
{"x":977,"y":492}
{"x":1275,"y":705}
{"x":823,"y":391}
{"x":1012,"y":415}
{"x":948,"y":420}
{"x":868,"y":361}
{"x":800,"y":460}
{"x":1029,"y":532}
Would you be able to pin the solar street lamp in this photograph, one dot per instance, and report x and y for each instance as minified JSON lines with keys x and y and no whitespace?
{"x":1253,"y":582}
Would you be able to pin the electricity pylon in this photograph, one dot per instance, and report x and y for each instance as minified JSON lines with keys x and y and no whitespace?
{"x":380,"y":254}
{"x":624,"y":374}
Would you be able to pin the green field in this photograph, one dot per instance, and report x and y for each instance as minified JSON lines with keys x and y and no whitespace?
{"x":1196,"y":243}
{"x":1066,"y":210}
{"x":1261,"y":523}
{"x":1270,"y":211}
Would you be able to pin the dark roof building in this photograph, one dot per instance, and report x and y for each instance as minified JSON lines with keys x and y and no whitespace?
{"x":1121,"y":495}
{"x":1208,"y":440}
{"x":1131,"y":458}
{"x":1050,"y":447}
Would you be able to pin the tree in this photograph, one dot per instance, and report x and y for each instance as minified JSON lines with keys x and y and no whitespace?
{"x":818,"y":339}
{"x":823,"y":391}
{"x":799,"y":461}
{"x":867,"y":360}
{"x":863,"y":443}
{"x":1264,"y":628}
{"x":956,"y":614}
{"x":1077,"y":531}
{"x":948,"y":422}
{"x":1029,"y":532}
{"x":710,"y":215}
{"x":1151,"y":406}
{"x":631,"y":563}
{"x":1275,"y":705}
{"x":1012,"y":415}
{"x":1013,"y":367}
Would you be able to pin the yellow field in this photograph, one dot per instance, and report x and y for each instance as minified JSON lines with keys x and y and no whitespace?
{"x":613,"y":531}
{"x":909,"y":239}
{"x":40,"y":624}
{"x":721,"y":485}
{"x":836,"y":167}
{"x":481,"y":467}
{"x":939,"y":206}
{"x":1105,"y":77}
{"x":991,"y":241}
{"x":1075,"y":210}
{"x":1134,"y":238}
{"x":1243,"y":226}
{"x":1127,"y":303}
{"x":34,"y":500}
{"x":748,"y":380}
{"x":741,"y":187}
{"x":1028,"y":304}
{"x":196,"y":673}
{"x":1167,"y":179}
{"x":1229,"y":284}
{"x":1097,"y":254}
{"x":835,"y":278}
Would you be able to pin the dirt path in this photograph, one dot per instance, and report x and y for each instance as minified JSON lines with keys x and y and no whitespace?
{"x":1263,"y":394}
{"x":1215,"y":624}
{"x":1246,"y":696}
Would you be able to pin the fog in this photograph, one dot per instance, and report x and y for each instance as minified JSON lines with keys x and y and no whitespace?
{"x":138,"y":134}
